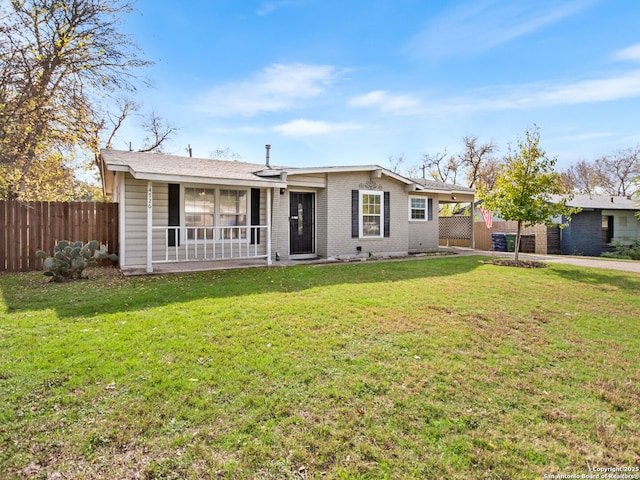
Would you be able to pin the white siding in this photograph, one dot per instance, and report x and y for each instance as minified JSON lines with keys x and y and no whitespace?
{"x":135,"y":221}
{"x":135,"y":226}
{"x":625,"y":224}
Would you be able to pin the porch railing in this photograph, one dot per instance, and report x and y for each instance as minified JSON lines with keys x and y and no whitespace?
{"x":188,"y":244}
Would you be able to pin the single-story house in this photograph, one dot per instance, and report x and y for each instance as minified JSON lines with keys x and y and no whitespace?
{"x":602,"y":220}
{"x":181,"y":209}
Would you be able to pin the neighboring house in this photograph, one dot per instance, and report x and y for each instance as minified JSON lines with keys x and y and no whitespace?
{"x":602,"y":220}
{"x":180,"y":209}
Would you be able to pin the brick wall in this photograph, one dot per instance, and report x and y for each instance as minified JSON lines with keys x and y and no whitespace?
{"x":583,"y":236}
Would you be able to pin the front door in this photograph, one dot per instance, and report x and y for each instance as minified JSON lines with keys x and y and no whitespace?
{"x":607,"y":229}
{"x":301,"y":223}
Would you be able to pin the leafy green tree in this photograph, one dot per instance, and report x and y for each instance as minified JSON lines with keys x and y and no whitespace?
{"x":524,"y":187}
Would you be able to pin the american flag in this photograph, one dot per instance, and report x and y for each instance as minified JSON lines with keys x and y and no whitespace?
{"x":486,"y":216}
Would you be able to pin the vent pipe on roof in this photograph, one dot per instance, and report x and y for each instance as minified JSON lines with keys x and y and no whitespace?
{"x":189,"y":150}
{"x":267,"y":147}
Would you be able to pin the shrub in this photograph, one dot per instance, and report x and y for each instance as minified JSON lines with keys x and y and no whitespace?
{"x":71,"y":258}
{"x":628,"y":250}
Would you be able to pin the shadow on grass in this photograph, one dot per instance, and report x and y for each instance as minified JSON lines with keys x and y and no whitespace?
{"x":594,"y":276}
{"x":123,"y":294}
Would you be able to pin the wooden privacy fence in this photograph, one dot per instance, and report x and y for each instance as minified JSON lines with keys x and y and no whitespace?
{"x":547,"y":238}
{"x":31,"y":226}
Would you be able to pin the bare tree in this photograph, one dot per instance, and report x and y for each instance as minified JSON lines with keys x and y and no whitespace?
{"x":224,"y":154}
{"x":441,"y":167}
{"x":581,"y":178}
{"x":616,"y":172}
{"x":475,"y":157}
{"x":58,"y":61}
{"x":159,"y":131}
{"x":395,"y":162}
{"x":487,"y":174}
{"x":116,"y":120}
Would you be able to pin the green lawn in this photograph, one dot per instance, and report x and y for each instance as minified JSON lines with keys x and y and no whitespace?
{"x":434,"y":368}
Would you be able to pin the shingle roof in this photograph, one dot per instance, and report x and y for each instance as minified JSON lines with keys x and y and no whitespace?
{"x":601,"y":202}
{"x":152,"y":166}
{"x":445,"y":187}
{"x":144,"y":165}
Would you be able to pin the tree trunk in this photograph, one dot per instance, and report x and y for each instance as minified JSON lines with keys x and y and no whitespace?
{"x":518,"y":234}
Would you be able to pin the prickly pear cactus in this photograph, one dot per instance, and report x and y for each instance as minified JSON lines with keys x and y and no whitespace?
{"x":69,"y":259}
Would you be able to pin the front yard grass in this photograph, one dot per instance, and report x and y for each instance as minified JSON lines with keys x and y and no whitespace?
{"x":435,"y":368}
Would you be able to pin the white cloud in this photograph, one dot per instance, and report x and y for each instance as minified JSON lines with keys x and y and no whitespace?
{"x":591,"y":91}
{"x":276,"y":88}
{"x":524,"y":97}
{"x":387,"y":103}
{"x":479,"y":26}
{"x":629,"y":53}
{"x":303,"y":128}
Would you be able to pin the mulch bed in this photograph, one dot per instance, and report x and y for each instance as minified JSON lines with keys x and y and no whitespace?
{"x":519,"y":263}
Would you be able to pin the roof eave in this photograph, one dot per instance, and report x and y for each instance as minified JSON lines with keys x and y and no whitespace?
{"x":241,"y":182}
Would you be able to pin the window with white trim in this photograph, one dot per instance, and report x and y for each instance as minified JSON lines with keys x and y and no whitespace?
{"x":233,"y":213}
{"x":210,"y":207}
{"x":371,"y":214}
{"x":199,"y":211}
{"x":418,"y":208}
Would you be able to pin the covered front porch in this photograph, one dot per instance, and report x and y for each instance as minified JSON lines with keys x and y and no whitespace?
{"x":206,"y":247}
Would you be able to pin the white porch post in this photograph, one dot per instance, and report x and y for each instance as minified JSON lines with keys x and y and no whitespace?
{"x":269,"y":261}
{"x":122,"y":208}
{"x":149,"y":227}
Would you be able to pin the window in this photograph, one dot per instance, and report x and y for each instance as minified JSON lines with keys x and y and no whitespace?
{"x":417,"y":208}
{"x":420,"y":209}
{"x":199,"y":211}
{"x":371,"y":213}
{"x":208,"y":207}
{"x":233,"y":212}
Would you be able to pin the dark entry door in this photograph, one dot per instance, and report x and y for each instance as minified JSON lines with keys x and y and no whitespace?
{"x":607,"y":229}
{"x":301,"y":223}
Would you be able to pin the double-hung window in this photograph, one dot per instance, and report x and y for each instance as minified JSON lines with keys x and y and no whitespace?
{"x":233,"y":213}
{"x":199,"y":212}
{"x":420,"y":209}
{"x":371,"y":213}
{"x":417,"y":208}
{"x":206,"y":208}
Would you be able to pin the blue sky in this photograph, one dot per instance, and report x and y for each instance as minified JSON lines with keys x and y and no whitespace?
{"x":348,"y":82}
